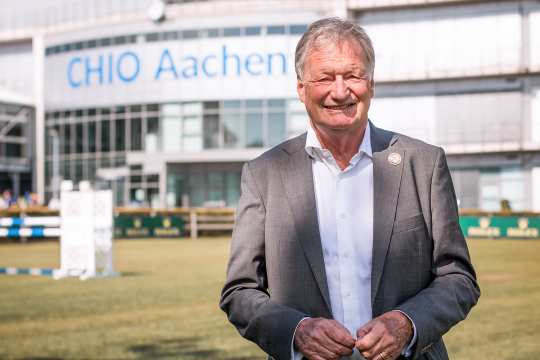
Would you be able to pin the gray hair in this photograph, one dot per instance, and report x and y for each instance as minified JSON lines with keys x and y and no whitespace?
{"x":333,"y":30}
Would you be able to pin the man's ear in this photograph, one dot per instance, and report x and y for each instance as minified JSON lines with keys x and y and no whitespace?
{"x":300,"y":90}
{"x":371,"y":88}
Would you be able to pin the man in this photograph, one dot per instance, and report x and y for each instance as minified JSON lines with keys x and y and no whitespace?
{"x":347,"y":241}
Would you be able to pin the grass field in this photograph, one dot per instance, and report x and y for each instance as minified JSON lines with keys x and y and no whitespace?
{"x":164,"y":306}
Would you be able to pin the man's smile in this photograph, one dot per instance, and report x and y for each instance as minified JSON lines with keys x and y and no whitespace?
{"x":339,"y":107}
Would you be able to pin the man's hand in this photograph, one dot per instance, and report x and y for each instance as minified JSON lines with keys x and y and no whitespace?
{"x":384,"y":337}
{"x":323,"y":339}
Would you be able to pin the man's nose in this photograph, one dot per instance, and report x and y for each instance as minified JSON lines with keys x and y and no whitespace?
{"x":340,"y":90}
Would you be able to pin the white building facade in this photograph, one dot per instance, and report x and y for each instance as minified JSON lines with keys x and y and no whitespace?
{"x":164,"y":102}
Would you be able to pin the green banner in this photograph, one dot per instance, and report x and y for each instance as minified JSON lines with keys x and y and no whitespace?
{"x":145,"y":226}
{"x":517,"y":227}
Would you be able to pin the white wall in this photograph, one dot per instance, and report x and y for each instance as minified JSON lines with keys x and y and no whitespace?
{"x":436,"y":43}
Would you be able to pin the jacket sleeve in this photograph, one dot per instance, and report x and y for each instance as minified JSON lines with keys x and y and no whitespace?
{"x":454,"y":290}
{"x":245,"y":296}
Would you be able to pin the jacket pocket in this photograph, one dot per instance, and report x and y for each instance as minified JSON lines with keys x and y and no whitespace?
{"x":410,"y":223}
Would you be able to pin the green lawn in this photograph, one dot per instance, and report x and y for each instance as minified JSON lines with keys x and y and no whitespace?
{"x":164,"y":306}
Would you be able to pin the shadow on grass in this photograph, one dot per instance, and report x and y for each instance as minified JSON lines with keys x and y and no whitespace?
{"x":182,"y":348}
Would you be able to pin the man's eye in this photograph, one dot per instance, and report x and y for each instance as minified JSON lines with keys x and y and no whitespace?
{"x":324,"y":81}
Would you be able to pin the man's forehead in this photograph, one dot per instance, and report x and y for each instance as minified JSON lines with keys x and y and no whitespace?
{"x":348,"y":54}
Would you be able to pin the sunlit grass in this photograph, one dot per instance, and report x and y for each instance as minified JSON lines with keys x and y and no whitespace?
{"x":164,"y":306}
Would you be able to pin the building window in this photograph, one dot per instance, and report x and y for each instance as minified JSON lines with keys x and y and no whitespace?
{"x":136,"y":134}
{"x":254,"y":128}
{"x":120,"y":134}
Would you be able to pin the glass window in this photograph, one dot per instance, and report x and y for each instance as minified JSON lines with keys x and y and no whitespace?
{"x":192,"y":133}
{"x":105,"y":135}
{"x":119,"y":40}
{"x":105,"y":162}
{"x":212,"y":33}
{"x":276,"y":103}
{"x":228,"y":32}
{"x":253,"y":30}
{"x":232,"y":188}
{"x":120,"y":161}
{"x":215,"y":186}
{"x":152,"y":131}
{"x":233,"y":130}
{"x":232,"y":104}
{"x":78,"y":171}
{"x":151,"y":37}
{"x":297,"y":29}
{"x":92,"y":137}
{"x":170,"y":35}
{"x":154,"y":178}
{"x":135,"y":108}
{"x":190,"y":34}
{"x":91,"y":166}
{"x":211,"y":106}
{"x":275,"y":30}
{"x":14,"y":150}
{"x":67,"y":138}
{"x":135,"y":179}
{"x":152,"y":107}
{"x":120,"y":135}
{"x":192,"y":108}
{"x":254,"y":129}
{"x":171,"y":133}
{"x":211,"y":131}
{"x":66,"y":173}
{"x":276,"y":128}
{"x":197,"y":186}
{"x":136,"y":134}
{"x":79,"y":138}
{"x":250,"y":104}
{"x":170,"y":109}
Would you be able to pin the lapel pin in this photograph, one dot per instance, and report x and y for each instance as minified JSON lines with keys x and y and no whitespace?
{"x":394,"y":159}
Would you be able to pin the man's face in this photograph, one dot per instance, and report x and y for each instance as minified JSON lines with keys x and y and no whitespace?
{"x":336,"y":88}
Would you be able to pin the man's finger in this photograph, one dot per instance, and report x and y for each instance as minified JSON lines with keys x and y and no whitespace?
{"x":340,"y":334}
{"x":371,"y":338}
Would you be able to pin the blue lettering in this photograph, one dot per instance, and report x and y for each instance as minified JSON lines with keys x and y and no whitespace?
{"x":121,"y":75}
{"x":89,"y":70}
{"x":110,"y":67}
{"x":73,"y":83}
{"x":190,"y":71}
{"x":254,"y":60}
{"x":205,"y":63}
{"x":227,"y":57}
{"x":166,"y":56}
{"x":283,"y":63}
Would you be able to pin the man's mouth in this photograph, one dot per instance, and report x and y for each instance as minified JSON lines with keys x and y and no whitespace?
{"x":339,"y":107}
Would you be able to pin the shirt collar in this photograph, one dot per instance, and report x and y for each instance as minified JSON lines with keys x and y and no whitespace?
{"x":314,"y":147}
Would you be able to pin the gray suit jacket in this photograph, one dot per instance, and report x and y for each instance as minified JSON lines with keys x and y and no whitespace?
{"x":420,"y":265}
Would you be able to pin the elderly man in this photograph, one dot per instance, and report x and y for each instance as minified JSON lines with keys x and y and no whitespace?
{"x":347,"y":241}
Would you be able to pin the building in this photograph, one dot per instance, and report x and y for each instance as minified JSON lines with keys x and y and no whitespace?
{"x":164,"y":102}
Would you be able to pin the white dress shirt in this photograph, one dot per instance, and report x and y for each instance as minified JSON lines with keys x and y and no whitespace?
{"x":344,"y":201}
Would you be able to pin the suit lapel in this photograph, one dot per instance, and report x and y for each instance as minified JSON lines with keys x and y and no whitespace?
{"x":297,"y":176}
{"x":386,"y":184}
